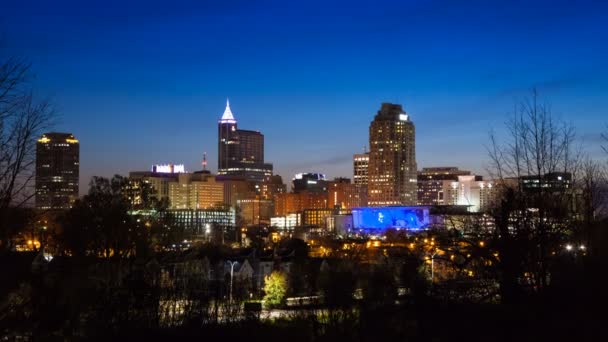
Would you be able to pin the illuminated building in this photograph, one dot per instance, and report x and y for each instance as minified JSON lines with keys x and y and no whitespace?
{"x":341,"y":225}
{"x":550,"y":182}
{"x":240,"y":152}
{"x":255,"y":210}
{"x":380,"y":219}
{"x":204,"y":224}
{"x":236,"y":188}
{"x":287,"y":222}
{"x":289,"y":203}
{"x":168,"y":168}
{"x":158,"y":182}
{"x":319,"y":217}
{"x":343,"y":194}
{"x":360,"y":166}
{"x":183,"y":190}
{"x":195,"y":191}
{"x":469,"y":190}
{"x":392,"y":171}
{"x":272,"y":186}
{"x":57,"y":170}
{"x":311,"y":182}
{"x":430,"y":183}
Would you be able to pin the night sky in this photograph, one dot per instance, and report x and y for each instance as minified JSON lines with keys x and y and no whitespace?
{"x":145,"y":82}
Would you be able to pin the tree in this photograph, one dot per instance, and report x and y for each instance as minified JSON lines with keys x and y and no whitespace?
{"x":100,"y":223}
{"x":531,"y":219}
{"x":275,"y":289}
{"x":23,"y":119}
{"x":338,"y":285}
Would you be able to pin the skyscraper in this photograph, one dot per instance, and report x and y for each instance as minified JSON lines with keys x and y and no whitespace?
{"x":240,"y":152}
{"x":392,"y":171}
{"x":57,"y":169}
{"x":360,"y":166}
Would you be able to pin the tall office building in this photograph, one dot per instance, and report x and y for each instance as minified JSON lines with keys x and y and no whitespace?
{"x":360,"y":166}
{"x":240,"y":152}
{"x":430,"y":183}
{"x":57,"y":169}
{"x":392,"y":171}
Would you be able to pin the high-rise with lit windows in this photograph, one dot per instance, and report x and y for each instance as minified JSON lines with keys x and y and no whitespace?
{"x":57,"y":170}
{"x":240,"y":152}
{"x":360,"y":166}
{"x":392,"y":171}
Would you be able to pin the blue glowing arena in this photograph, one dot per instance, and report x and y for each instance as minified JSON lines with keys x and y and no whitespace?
{"x":382,"y":218}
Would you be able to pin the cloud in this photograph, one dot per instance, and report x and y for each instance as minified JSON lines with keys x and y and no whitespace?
{"x":559,"y":83}
{"x":324,"y":162}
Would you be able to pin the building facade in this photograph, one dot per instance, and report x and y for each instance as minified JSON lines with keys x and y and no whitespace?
{"x":392,"y":171}
{"x":341,"y":193}
{"x":255,"y":210}
{"x":204,"y":224}
{"x":195,"y":191}
{"x":311,"y":182}
{"x":289,"y":203}
{"x":240,"y":152}
{"x":430,"y":183}
{"x":360,"y":167}
{"x":471,"y":191}
{"x":182,"y":190}
{"x":57,"y":171}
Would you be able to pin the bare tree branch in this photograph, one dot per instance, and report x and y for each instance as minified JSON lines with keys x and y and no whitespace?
{"x":23,"y":119}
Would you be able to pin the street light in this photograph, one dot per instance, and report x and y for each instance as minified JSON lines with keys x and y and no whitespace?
{"x":232,"y":264}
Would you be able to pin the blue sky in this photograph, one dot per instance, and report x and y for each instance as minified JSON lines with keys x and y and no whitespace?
{"x":145,"y":82}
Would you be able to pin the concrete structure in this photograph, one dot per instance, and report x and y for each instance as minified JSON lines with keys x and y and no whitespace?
{"x":392,"y":171}
{"x":57,"y":170}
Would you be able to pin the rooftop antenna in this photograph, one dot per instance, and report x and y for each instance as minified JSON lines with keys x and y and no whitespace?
{"x":204,"y":161}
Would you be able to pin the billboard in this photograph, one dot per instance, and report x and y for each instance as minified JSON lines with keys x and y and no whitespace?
{"x":168,"y":168}
{"x":381,"y":218}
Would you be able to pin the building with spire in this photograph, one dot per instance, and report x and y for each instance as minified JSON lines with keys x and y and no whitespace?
{"x":392,"y":171}
{"x":240,"y":152}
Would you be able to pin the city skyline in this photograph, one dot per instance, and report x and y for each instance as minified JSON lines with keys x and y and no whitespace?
{"x":164,"y":74}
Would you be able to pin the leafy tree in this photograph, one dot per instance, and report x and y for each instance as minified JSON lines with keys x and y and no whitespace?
{"x":100,"y":223}
{"x":275,"y":287}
